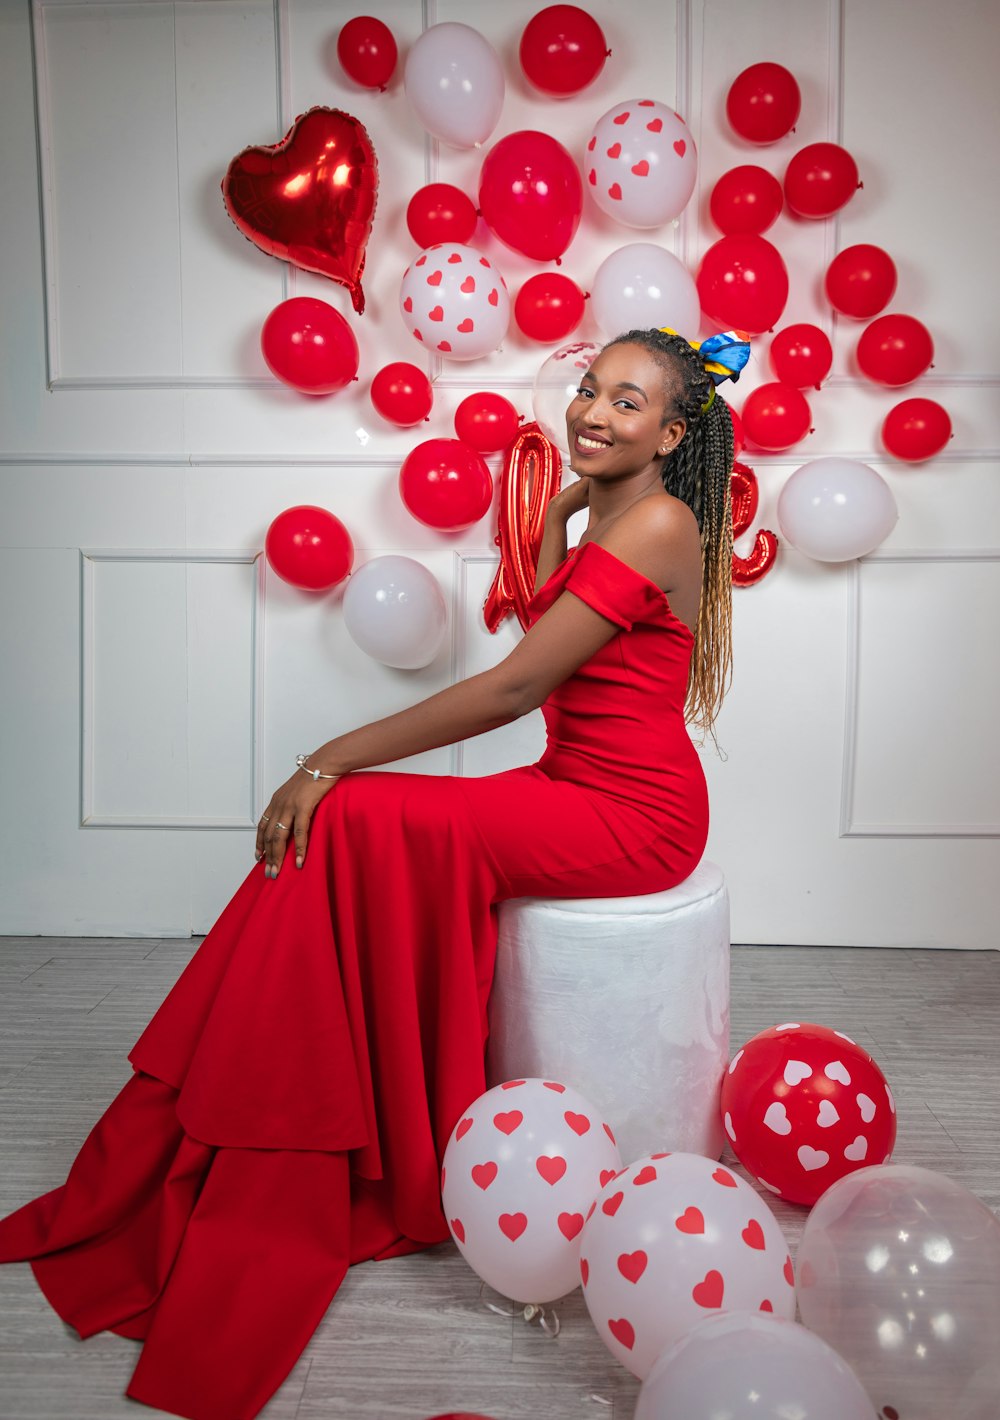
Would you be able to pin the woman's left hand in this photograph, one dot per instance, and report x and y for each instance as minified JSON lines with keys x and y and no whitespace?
{"x":287,"y":818}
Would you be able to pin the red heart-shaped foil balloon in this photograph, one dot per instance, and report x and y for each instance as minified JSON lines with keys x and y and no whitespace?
{"x":310,"y":199}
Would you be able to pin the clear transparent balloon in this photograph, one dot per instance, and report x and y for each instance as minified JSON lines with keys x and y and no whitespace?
{"x":745,"y":1367}
{"x":395,"y":611}
{"x":899,"y":1271}
{"x":555,"y":385}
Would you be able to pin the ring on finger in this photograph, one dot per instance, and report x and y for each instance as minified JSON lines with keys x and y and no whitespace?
{"x":279,"y":824}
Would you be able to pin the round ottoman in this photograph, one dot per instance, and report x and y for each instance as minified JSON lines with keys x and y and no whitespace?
{"x":627,"y":1000}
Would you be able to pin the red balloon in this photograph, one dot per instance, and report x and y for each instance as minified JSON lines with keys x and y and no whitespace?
{"x":440,"y":213}
{"x":486,"y":422}
{"x":310,"y":346}
{"x":746,"y":201}
{"x":549,"y":307}
{"x":310,"y":198}
{"x":801,"y":355}
{"x":861,"y":281}
{"x":803,"y":1105}
{"x":309,"y":547}
{"x":563,"y":49}
{"x":445,"y":484}
{"x":531,"y":195}
{"x":894,"y":350}
{"x":738,"y":436}
{"x":743,"y":283}
{"x":820,"y":179}
{"x":367,"y":52}
{"x":402,"y":394}
{"x":763,"y":103}
{"x":776,"y":416}
{"x":916,"y":429}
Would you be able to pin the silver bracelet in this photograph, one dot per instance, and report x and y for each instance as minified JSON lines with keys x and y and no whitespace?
{"x":300,"y":760}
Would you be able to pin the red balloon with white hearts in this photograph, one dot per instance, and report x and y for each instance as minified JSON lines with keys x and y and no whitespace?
{"x":640,"y":164}
{"x":676,"y":1238}
{"x":803,"y":1105}
{"x":521,"y":1168}
{"x":455,"y":301}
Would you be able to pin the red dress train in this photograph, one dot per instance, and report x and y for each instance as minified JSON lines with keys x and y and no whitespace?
{"x":294,"y":1094}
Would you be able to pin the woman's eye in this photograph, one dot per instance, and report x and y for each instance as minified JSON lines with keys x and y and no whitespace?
{"x":627,"y":403}
{"x":584,"y":390}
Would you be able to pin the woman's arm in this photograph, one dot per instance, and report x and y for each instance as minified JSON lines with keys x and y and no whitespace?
{"x":558,"y":513}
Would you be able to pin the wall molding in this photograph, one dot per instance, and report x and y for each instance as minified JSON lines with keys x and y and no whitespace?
{"x":849,"y":826}
{"x":56,"y":381}
{"x":89,"y":558}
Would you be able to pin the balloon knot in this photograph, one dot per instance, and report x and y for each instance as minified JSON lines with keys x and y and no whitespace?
{"x":860,"y":184}
{"x":607,"y":54}
{"x":586,"y":295}
{"x":479,"y":211}
{"x":558,"y":261}
{"x":381,"y":88}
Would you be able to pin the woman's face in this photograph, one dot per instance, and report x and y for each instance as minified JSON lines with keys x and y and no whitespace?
{"x":621,"y":419}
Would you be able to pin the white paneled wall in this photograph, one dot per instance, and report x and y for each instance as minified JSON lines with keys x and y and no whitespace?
{"x":158,"y":681}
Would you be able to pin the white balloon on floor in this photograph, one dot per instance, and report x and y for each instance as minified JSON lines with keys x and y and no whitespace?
{"x":395,"y":611}
{"x":555,"y":385}
{"x":643,"y":285}
{"x":835,"y":509}
{"x":751,"y":1367}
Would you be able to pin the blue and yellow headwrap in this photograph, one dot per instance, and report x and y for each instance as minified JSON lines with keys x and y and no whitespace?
{"x":724,"y":356}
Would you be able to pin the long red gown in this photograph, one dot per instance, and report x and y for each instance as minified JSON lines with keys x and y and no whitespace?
{"x":293,"y":1096}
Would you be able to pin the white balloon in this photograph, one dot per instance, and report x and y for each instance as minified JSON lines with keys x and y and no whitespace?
{"x":395,"y":611}
{"x":455,"y":83}
{"x":556,"y":384}
{"x":520,"y":1170}
{"x":836,"y":509}
{"x":455,"y":301}
{"x":641,"y":163}
{"x":674,"y":1238}
{"x":751,"y":1367}
{"x":642,"y":285}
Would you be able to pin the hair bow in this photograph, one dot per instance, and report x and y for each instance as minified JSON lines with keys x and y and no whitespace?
{"x":724,"y":356}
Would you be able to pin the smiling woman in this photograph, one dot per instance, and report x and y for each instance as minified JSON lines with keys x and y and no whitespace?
{"x":293,"y":1096}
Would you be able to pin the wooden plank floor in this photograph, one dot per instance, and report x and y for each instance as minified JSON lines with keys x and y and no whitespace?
{"x":410,"y":1337}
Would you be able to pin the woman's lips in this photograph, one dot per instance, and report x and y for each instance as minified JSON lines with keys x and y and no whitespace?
{"x":587,"y":444}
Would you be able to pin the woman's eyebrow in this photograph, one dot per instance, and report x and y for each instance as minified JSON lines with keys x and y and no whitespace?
{"x":622,"y":385}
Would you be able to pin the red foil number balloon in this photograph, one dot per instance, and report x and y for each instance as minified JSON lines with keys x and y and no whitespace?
{"x":530,"y":477}
{"x":748,"y":570}
{"x":310,"y":199}
{"x":802,"y":1106}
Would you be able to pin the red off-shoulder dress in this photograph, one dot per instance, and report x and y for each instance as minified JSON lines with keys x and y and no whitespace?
{"x":293,"y":1096}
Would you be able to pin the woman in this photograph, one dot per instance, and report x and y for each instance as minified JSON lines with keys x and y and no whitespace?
{"x":294,"y":1094}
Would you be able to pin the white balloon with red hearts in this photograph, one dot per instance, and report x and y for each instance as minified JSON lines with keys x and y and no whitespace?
{"x":676,"y":1238}
{"x":520,"y":1170}
{"x":455,"y":301}
{"x":641,"y":163}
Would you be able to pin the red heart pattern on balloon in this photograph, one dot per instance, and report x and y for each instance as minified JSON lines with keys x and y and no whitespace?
{"x":444,"y":345}
{"x":508,"y":1122}
{"x":320,"y":218}
{"x":592,"y":178}
{"x":570,"y":1224}
{"x":622,"y":117}
{"x":612,"y":1204}
{"x":435,"y":278}
{"x":641,"y":169}
{"x":454,"y":257}
{"x":789,"y":1274}
{"x":579,"y":1123}
{"x":607,"y":1130}
{"x":483,"y":1175}
{"x":615,"y":150}
{"x":436,"y":314}
{"x":765,"y":1306}
{"x":692,"y":1220}
{"x":512,"y":1225}
{"x":680,"y":147}
{"x":615,"y":192}
{"x":607,"y":1175}
{"x":551,"y":1167}
{"x":466,"y":326}
{"x":554,"y":1085}
{"x":509,"y":1084}
{"x":408,"y":304}
{"x":645,"y":1175}
{"x":709,"y":1291}
{"x":753,"y":1235}
{"x":726,"y":1179}
{"x":632,"y":1265}
{"x":468,"y":286}
{"x":457,"y":1229}
{"x":623,"y":1331}
{"x":493,"y":297}
{"x":462,"y":1128}
{"x":584,"y":1270}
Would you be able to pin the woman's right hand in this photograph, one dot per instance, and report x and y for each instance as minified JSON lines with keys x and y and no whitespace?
{"x":570,"y":500}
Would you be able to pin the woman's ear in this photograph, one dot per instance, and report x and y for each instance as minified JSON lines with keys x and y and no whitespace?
{"x":671,"y":434}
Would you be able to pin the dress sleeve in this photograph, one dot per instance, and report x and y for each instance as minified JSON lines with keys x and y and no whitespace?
{"x":613,"y":588}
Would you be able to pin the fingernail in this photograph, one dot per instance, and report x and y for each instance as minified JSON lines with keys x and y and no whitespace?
{"x":258,"y":856}
{"x":299,"y":861}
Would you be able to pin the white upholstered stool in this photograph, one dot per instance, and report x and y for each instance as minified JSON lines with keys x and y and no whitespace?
{"x":626,"y":999}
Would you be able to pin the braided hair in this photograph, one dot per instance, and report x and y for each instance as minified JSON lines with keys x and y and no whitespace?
{"x":698,"y":472}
